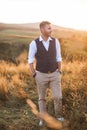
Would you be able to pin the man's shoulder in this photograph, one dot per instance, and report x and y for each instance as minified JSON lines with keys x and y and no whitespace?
{"x":53,"y":39}
{"x":56,"y":39}
{"x":32,"y":42}
{"x":37,"y":39}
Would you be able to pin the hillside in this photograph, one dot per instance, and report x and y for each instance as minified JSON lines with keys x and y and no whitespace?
{"x":15,"y":36}
{"x":60,"y":32}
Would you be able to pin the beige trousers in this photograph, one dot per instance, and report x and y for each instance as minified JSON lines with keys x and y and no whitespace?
{"x":54,"y":81}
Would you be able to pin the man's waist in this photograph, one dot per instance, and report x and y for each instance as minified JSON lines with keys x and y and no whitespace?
{"x":47,"y":72}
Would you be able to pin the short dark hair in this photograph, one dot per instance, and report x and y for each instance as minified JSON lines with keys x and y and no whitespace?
{"x":43,"y":23}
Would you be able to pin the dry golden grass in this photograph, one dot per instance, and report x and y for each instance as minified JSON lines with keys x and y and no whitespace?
{"x":17,"y":84}
{"x":17,"y":80}
{"x":4,"y":87}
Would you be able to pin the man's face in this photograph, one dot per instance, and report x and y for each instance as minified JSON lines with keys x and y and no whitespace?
{"x":47,"y":30}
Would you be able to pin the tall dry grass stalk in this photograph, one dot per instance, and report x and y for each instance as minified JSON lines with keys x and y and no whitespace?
{"x":50,"y":121}
{"x":4,"y":88}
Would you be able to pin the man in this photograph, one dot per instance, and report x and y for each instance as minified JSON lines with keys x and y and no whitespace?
{"x":46,"y":50}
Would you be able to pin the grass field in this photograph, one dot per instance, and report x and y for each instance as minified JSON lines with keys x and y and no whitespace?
{"x":17,"y":84}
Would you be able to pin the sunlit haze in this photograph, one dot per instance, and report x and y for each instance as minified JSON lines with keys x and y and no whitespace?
{"x":65,"y":13}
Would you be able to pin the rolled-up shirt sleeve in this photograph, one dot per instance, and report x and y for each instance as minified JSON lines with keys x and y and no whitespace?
{"x":58,"y":51}
{"x":32,"y":52}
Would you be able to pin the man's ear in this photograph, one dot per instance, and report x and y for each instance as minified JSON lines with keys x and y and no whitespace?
{"x":42,"y":29}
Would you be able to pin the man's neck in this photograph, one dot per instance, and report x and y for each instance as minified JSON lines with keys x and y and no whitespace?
{"x":45,"y":38}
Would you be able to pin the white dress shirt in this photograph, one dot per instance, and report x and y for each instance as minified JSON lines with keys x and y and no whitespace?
{"x":33,"y":49}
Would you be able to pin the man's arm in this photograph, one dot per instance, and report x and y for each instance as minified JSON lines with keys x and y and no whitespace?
{"x":58,"y":56}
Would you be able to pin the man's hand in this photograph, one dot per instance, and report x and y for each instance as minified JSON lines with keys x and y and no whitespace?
{"x":60,"y":71}
{"x":34,"y":75}
{"x":59,"y":67}
{"x":32,"y":69}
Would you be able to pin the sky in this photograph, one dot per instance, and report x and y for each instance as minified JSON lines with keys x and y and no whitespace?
{"x":65,"y":13}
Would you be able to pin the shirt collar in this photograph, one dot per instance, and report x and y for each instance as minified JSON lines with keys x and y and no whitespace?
{"x":41,"y":39}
